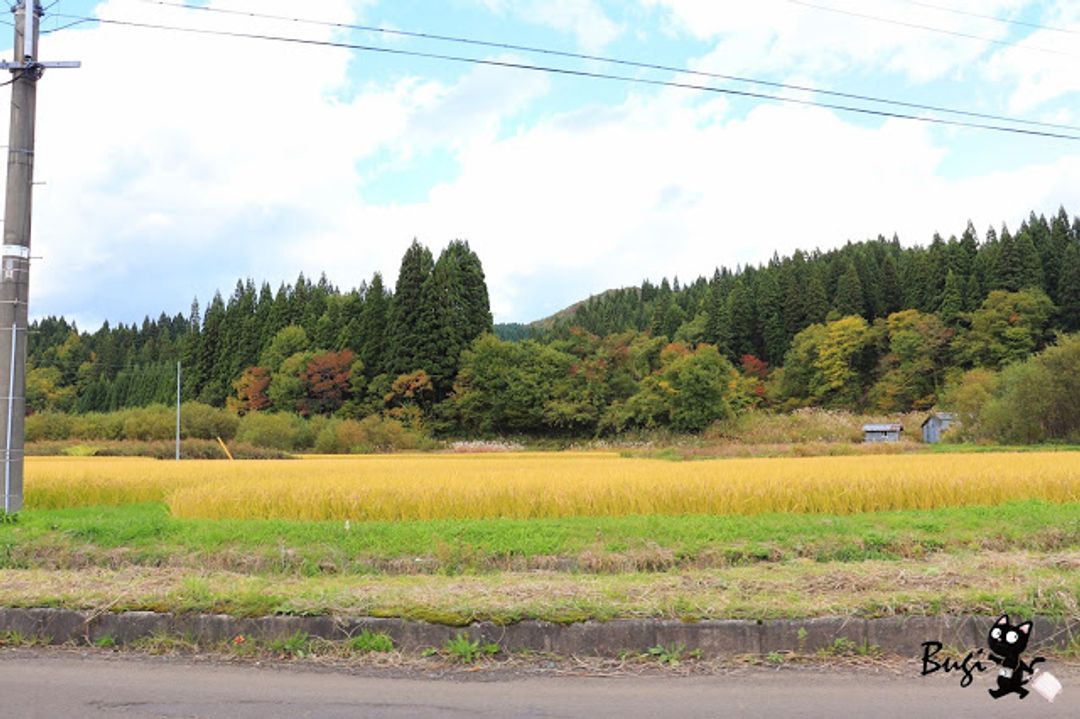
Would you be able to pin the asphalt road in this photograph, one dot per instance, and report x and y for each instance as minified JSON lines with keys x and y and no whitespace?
{"x":50,"y":685}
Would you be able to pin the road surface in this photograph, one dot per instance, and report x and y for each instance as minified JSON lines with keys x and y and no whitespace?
{"x":49,"y":684}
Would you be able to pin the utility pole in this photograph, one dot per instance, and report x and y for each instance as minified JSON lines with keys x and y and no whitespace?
{"x":15,"y":251}
{"x":177,"y":411}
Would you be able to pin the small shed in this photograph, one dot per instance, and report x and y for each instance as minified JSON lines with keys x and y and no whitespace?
{"x":882,"y":432}
{"x":936,"y":424}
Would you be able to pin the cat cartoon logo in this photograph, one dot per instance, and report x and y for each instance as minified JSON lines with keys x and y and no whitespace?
{"x":1007,"y":642}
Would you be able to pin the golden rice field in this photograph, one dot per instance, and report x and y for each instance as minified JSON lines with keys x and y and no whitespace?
{"x":533,"y":485}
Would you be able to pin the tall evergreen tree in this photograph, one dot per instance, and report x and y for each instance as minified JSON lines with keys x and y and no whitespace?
{"x":952,"y":300}
{"x":405,"y":332}
{"x":816,"y":300}
{"x":849,"y":292}
{"x":452,"y":314}
{"x":891,"y":296}
{"x":740,"y":315}
{"x":190,"y":358}
{"x":1031,"y":272}
{"x":774,"y":341}
{"x":716,"y":321}
{"x":374,"y":323}
{"x":214,"y":386}
{"x":1068,"y":290}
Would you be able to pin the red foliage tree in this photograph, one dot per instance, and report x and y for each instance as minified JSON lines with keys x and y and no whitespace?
{"x":754,"y":367}
{"x":250,"y":391}
{"x":325,"y":379}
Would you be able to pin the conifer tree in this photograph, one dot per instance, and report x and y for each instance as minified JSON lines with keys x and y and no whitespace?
{"x":740,"y":313}
{"x":405,"y":333}
{"x":849,"y":293}
{"x":952,"y":300}
{"x":452,"y":314}
{"x":794,"y":286}
{"x":374,"y":323}
{"x":1068,"y":290}
{"x":891,"y":296}
{"x":816,"y":301}
{"x":190,"y":354}
{"x":1029,"y":264}
{"x":213,"y":389}
{"x":715,"y":327}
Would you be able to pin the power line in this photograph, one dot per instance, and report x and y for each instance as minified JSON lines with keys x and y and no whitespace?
{"x":582,"y":74}
{"x":928,"y":28}
{"x":65,"y":27}
{"x":614,"y":61}
{"x":1006,"y":21}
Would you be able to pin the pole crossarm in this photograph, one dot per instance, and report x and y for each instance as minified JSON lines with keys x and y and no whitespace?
{"x":22,"y":66}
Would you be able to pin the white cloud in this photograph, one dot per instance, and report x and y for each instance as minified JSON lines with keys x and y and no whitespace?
{"x":1041,"y":77}
{"x":585,"y":19}
{"x":770,"y":36}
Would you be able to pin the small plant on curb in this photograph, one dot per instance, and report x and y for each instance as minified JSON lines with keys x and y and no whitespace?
{"x":295,"y":646}
{"x":367,"y":641}
{"x":844,"y":647}
{"x":429,"y":652}
{"x":467,"y":651}
{"x":776,"y":658}
{"x":16,"y":639}
{"x":668,"y":655}
{"x":163,"y":643}
{"x":106,"y":641}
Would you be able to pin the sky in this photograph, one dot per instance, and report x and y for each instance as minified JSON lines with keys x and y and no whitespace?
{"x":174,"y":164}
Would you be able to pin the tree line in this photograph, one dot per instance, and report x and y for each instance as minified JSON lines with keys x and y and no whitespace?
{"x":306,"y":330}
{"x":868,"y":326}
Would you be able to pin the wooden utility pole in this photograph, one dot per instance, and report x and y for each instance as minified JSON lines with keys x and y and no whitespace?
{"x":15,"y":252}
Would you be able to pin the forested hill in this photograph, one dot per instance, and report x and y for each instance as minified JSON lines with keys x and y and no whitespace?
{"x":759,"y":310}
{"x":869,"y":325}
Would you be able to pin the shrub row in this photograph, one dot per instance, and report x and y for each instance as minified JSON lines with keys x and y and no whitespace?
{"x":272,"y":431}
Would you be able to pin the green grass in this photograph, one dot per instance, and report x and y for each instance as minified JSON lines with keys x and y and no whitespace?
{"x":295,"y":646}
{"x":467,"y":651}
{"x":1017,"y":558}
{"x":367,"y":641}
{"x":146,"y":535}
{"x":967,"y":447}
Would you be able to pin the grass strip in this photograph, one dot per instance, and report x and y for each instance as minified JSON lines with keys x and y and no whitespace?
{"x":146,"y":535}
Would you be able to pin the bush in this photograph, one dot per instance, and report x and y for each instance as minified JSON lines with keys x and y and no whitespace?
{"x":1035,"y":400}
{"x":49,"y":426}
{"x":967,"y":395}
{"x":308,"y":430}
{"x":371,"y":434}
{"x":149,"y":423}
{"x":201,"y":421}
{"x":277,"y":431}
{"x":97,"y":425}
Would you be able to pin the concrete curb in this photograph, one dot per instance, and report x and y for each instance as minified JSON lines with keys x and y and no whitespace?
{"x":901,"y":635}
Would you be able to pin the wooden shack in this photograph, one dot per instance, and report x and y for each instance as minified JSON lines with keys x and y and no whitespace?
{"x":935,"y":425}
{"x":882,"y":432}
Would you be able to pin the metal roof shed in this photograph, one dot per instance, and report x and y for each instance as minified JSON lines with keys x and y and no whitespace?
{"x":936,"y":424}
{"x":882,"y":432}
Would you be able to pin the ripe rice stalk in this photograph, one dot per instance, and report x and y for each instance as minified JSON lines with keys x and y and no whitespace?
{"x":534,"y":485}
